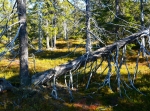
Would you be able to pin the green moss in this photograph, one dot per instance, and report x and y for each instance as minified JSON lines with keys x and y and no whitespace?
{"x":91,"y":99}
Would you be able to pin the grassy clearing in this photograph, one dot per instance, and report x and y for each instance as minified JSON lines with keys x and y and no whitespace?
{"x":84,"y":100}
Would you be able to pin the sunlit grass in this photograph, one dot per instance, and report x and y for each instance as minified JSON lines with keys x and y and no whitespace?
{"x":84,"y":100}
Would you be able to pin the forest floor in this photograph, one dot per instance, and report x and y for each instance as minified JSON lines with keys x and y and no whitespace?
{"x":91,"y":99}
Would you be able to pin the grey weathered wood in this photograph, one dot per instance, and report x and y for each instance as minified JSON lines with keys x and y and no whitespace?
{"x":23,"y":43}
{"x":47,"y":75}
{"x":5,"y":85}
{"x":142,"y":25}
{"x":47,"y":37}
{"x":88,"y":38}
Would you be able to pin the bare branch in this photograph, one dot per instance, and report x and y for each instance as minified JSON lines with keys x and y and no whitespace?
{"x":47,"y":75}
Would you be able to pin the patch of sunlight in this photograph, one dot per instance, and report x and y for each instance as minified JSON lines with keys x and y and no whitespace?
{"x":47,"y":96}
{"x":84,"y":106}
{"x":7,"y":75}
{"x":110,"y":91}
{"x":107,"y":90}
{"x":2,"y":75}
{"x":2,"y":49}
{"x":104,"y":108}
{"x":3,"y":62}
{"x":44,"y":64}
{"x":144,"y":88}
{"x":68,"y":104}
{"x":72,"y":50}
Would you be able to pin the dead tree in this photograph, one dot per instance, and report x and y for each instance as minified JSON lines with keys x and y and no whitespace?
{"x":88,"y":38}
{"x":23,"y":42}
{"x":50,"y":74}
{"x":142,"y":24}
{"x":104,"y":52}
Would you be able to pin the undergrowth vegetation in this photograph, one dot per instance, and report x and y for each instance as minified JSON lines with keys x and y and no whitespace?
{"x":38,"y":98}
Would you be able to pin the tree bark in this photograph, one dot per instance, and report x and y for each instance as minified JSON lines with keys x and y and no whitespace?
{"x":54,"y":38}
{"x":65,"y":30}
{"x":47,"y":75}
{"x":47,"y":38}
{"x":88,"y":38}
{"x":23,"y":43}
{"x":142,"y":14}
{"x":47,"y":42}
{"x":65,"y":34}
{"x":39,"y":26}
{"x":52,"y":42}
{"x":117,"y":7}
{"x":116,"y":17}
{"x":142,"y":26}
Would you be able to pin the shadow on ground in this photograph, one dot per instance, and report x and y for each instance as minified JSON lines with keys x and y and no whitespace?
{"x":57,"y":54}
{"x":39,"y":98}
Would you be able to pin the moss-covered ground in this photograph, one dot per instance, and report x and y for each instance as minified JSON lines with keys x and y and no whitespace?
{"x":39,"y":98}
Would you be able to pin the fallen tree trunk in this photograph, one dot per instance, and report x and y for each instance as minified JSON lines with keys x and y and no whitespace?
{"x":47,"y":75}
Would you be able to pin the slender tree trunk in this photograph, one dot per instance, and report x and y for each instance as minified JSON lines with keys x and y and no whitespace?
{"x":117,"y":7}
{"x":23,"y":42}
{"x":142,"y":14}
{"x":40,"y":33}
{"x":47,"y":42}
{"x":142,"y":26}
{"x":88,"y":38}
{"x":9,"y":35}
{"x":75,"y":17}
{"x":117,"y":14}
{"x":54,"y":39}
{"x":65,"y":30}
{"x":52,"y":44}
{"x":65,"y":34}
{"x":47,"y":38}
